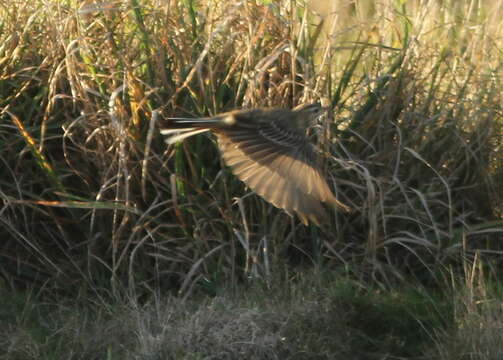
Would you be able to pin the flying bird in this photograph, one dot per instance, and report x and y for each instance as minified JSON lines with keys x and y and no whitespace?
{"x":268,"y":150}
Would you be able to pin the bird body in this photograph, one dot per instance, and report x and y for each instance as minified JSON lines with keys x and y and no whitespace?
{"x":267,"y":149}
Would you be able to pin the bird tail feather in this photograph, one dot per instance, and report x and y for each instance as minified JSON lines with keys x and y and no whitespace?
{"x":176,"y":135}
{"x":185,"y":123}
{"x":178,"y":129}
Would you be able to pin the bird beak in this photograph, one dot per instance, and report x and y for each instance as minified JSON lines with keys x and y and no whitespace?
{"x":325,"y":112}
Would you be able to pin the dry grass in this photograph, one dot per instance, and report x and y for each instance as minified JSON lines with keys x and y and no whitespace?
{"x":477,"y":319}
{"x":301,"y":319}
{"x":91,"y":197}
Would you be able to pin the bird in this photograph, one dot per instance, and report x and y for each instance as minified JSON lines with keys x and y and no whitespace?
{"x":267,"y":149}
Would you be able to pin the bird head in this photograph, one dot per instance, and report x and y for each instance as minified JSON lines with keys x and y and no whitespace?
{"x":307,"y":114}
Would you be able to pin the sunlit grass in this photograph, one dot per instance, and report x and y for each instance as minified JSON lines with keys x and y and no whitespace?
{"x":91,"y":198}
{"x":417,"y":111}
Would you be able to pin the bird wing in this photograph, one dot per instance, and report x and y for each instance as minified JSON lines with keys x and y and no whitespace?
{"x":279,"y":165}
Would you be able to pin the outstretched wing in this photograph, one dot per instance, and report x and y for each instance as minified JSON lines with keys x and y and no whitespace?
{"x":279,"y":165}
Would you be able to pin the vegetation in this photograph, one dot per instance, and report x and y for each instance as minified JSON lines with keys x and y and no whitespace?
{"x":95,"y":207}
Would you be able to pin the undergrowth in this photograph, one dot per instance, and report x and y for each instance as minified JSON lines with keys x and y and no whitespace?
{"x":91,"y":195}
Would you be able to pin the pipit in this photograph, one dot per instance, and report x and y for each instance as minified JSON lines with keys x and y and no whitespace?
{"x":268,"y":150}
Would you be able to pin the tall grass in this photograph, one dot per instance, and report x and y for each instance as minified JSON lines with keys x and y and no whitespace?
{"x":90,"y":194}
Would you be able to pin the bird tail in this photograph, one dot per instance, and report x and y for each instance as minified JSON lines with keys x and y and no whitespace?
{"x":178,"y":129}
{"x":176,"y":135}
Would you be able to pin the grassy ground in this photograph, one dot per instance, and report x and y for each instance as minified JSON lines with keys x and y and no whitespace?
{"x":92,"y":199}
{"x":312,"y":316}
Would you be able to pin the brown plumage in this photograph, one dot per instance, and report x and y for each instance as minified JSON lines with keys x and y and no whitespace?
{"x":268,"y":150}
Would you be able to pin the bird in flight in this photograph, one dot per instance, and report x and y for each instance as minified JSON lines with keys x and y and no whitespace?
{"x":268,"y":150}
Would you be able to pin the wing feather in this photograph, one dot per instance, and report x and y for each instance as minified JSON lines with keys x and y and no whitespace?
{"x":280,"y":166}
{"x":271,"y":157}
